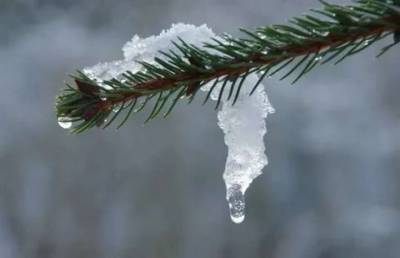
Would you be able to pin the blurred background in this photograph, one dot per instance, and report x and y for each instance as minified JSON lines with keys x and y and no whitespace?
{"x":331,"y":190}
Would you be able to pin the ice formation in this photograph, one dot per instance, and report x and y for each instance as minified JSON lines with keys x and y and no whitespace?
{"x":146,"y":49}
{"x":243,"y":124}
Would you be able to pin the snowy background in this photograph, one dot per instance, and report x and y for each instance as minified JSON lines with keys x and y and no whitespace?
{"x":331,"y":190}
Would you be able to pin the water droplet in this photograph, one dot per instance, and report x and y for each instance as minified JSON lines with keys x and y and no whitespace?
{"x":322,"y":33}
{"x":105,"y":86}
{"x":116,"y":108}
{"x":318,"y":58}
{"x":64,"y":122}
{"x":236,"y":203}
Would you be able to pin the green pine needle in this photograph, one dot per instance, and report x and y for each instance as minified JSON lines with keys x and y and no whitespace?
{"x":331,"y":34}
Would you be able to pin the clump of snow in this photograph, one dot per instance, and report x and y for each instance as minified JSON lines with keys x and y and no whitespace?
{"x":146,"y":49}
{"x":243,"y":124}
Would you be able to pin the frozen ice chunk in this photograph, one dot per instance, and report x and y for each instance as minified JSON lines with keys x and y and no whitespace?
{"x":243,"y":124}
{"x":244,"y":127}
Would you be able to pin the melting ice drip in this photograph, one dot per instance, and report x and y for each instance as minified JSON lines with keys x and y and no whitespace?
{"x":243,"y":124}
{"x":237,"y":205}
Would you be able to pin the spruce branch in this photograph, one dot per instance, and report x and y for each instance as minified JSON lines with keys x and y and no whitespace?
{"x":331,"y":34}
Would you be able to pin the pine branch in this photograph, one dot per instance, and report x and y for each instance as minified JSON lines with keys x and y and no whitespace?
{"x":329,"y":35}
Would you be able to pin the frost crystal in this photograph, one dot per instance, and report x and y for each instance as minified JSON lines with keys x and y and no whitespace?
{"x":243,"y":124}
